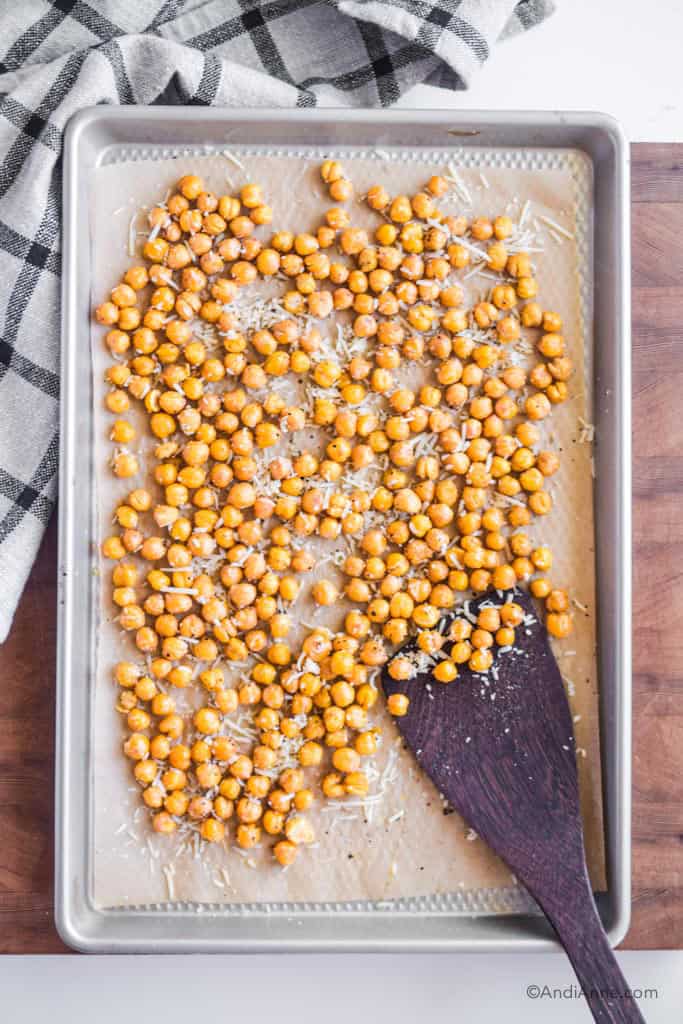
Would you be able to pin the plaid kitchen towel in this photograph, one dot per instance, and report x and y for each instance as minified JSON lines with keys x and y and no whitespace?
{"x":57,"y":56}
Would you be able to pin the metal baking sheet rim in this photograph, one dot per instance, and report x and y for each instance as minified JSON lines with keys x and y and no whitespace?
{"x":82,"y":925}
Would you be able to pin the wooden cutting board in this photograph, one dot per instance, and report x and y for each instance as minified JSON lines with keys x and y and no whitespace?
{"x":27,"y":658}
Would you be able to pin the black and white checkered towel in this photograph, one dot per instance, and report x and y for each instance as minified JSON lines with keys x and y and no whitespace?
{"x":57,"y":56}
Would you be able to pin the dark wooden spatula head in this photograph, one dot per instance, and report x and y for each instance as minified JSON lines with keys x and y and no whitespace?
{"x":500,"y":747}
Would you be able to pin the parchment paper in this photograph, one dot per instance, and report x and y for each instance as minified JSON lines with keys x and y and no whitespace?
{"x":411,"y":846}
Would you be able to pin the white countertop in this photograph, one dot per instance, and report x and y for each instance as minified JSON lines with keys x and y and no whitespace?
{"x":622,"y":57}
{"x":437,"y":989}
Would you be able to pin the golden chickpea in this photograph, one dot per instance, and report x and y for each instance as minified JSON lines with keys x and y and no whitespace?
{"x":397,"y":704}
{"x":356,"y":784}
{"x":480,"y":661}
{"x":531,"y":315}
{"x":345,"y":759}
{"x":145,"y":771}
{"x":557,"y":601}
{"x":557,"y":392}
{"x":559,"y":624}
{"x":504,"y":577}
{"x":502,"y":227}
{"x":337,"y":219}
{"x":206,"y":721}
{"x":377,"y":197}
{"x":310,"y":753}
{"x":505,"y":636}
{"x":519,"y":265}
{"x":503,"y":296}
{"x":401,"y":210}
{"x":303,"y":800}
{"x":542,"y":558}
{"x":160,"y":748}
{"x":488,"y":619}
{"x":341,"y":190}
{"x":273,"y":822}
{"x":423,"y":206}
{"x":366,"y":743}
{"x":522,"y":459}
{"x":248,"y":836}
{"x":537,"y":407}
{"x":342,"y":694}
{"x":523,"y":567}
{"x":445,"y":671}
{"x":163,"y":823}
{"x":212,"y":831}
{"x":249,"y":810}
{"x":113,"y":548}
{"x":108,"y":313}
{"x":155,"y":249}
{"x":285,"y":852}
{"x":401,"y":669}
{"x":325,"y":236}
{"x":190,"y":186}
{"x":251,"y":196}
{"x":481,"y":229}
{"x":512,"y":614}
{"x":540,"y":587}
{"x":132,"y":617}
{"x":508,"y":329}
{"x":531,"y":480}
{"x":154,"y":797}
{"x":458,"y":256}
{"x":366,"y":696}
{"x":299,"y":830}
{"x":324,"y":592}
{"x":177,"y":803}
{"x":137,"y":277}
{"x":548,"y":463}
{"x":117,"y":401}
{"x":126,"y":674}
{"x":279,"y":654}
{"x":136,"y":747}
{"x":438,"y":186}
{"x":551,"y":346}
{"x":527,"y":287}
{"x":125,"y":465}
{"x":230,"y":788}
{"x":330,"y":171}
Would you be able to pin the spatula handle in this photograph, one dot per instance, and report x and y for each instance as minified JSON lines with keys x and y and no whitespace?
{"x":606,"y":990}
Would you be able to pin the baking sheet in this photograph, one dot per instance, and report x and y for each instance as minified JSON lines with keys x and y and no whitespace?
{"x":410,"y":848}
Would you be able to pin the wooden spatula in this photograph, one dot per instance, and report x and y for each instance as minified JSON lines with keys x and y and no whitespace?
{"x":500,"y":748}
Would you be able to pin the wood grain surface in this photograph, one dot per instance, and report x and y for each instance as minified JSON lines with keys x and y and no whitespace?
{"x":657,"y":218}
{"x":27,"y":658}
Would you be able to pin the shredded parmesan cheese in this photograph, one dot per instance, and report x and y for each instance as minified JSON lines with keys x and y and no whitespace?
{"x":556,"y":227}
